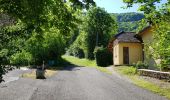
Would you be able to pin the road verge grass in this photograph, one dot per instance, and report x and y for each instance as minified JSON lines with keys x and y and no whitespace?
{"x":85,"y":63}
{"x":130,"y":72}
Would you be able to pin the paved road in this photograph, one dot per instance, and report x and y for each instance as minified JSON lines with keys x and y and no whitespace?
{"x":15,"y":74}
{"x":79,"y":83}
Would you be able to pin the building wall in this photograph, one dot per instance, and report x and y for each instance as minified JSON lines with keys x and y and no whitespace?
{"x":116,"y":54}
{"x":147,"y":37}
{"x":135,"y":53}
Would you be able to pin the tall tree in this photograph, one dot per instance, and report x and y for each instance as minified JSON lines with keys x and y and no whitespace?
{"x":37,"y":16}
{"x":98,"y":27}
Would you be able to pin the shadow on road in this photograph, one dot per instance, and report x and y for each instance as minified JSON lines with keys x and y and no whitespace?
{"x":65,"y":66}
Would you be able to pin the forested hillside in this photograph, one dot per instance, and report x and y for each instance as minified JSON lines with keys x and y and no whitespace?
{"x":128,"y":21}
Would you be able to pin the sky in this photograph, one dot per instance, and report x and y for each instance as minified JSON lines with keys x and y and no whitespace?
{"x":115,"y":6}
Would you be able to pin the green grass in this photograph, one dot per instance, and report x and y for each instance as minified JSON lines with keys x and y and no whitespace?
{"x":130,"y":72}
{"x":126,"y":70}
{"x":85,"y":63}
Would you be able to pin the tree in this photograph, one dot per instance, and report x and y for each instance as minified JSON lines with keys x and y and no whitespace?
{"x":50,"y":47}
{"x":98,"y":27}
{"x":44,"y":13}
{"x":159,"y":19}
{"x":146,"y":5}
{"x":162,"y":38}
{"x":36,"y":16}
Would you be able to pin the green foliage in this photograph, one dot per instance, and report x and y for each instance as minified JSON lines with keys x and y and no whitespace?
{"x":21,"y":58}
{"x":159,"y":20}
{"x":75,"y":51}
{"x":34,"y":22}
{"x":49,"y":47}
{"x":4,"y":56}
{"x":127,"y":70}
{"x":161,"y":36}
{"x":98,"y":27}
{"x":13,"y":37}
{"x":2,"y":72}
{"x":128,"y":26}
{"x":141,"y":65}
{"x":147,"y":6}
{"x":103,"y":56}
{"x":161,"y":43}
{"x":129,"y":17}
{"x":128,"y":21}
{"x":96,"y":30}
{"x":43,"y":13}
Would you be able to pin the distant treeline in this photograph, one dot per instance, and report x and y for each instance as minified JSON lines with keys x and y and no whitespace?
{"x":128,"y":21}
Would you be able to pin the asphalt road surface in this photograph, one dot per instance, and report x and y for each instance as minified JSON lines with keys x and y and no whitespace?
{"x":75,"y":83}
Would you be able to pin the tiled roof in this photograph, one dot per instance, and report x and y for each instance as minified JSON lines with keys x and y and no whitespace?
{"x":126,"y":37}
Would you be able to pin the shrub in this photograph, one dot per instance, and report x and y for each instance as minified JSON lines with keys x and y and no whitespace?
{"x":164,"y":64}
{"x":4,"y":56}
{"x":21,"y":58}
{"x":103,"y":56}
{"x":128,"y":70}
{"x":141,"y":65}
{"x":2,"y":72}
{"x":48,"y":46}
{"x":75,"y":51}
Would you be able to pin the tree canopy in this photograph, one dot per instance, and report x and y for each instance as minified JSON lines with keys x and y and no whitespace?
{"x":44,"y":13}
{"x":97,"y":28}
{"x":36,"y":29}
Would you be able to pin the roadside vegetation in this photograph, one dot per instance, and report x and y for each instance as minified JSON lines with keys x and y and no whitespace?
{"x":131,"y":73}
{"x":85,"y":63}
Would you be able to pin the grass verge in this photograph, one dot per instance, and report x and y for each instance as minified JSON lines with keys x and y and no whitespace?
{"x":32,"y":75}
{"x":85,"y":63}
{"x":130,"y":72}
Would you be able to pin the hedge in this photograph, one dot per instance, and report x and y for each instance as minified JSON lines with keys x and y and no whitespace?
{"x":103,"y":56}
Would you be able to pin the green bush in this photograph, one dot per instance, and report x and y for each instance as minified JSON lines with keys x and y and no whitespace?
{"x":2,"y":72}
{"x":48,"y":47}
{"x":127,"y":70}
{"x":141,"y":65}
{"x":103,"y":56}
{"x":4,"y":56}
{"x":21,"y":58}
{"x":75,"y":51}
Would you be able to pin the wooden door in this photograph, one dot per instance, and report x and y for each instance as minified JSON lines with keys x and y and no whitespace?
{"x":125,"y":55}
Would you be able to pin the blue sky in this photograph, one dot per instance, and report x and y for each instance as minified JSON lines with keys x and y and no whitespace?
{"x":115,"y":6}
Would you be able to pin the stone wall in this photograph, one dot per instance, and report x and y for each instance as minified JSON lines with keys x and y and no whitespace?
{"x":155,"y":74}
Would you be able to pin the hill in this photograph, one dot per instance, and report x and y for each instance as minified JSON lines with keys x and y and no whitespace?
{"x":128,"y":21}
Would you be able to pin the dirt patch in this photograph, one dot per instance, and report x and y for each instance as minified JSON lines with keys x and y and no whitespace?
{"x":48,"y":73}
